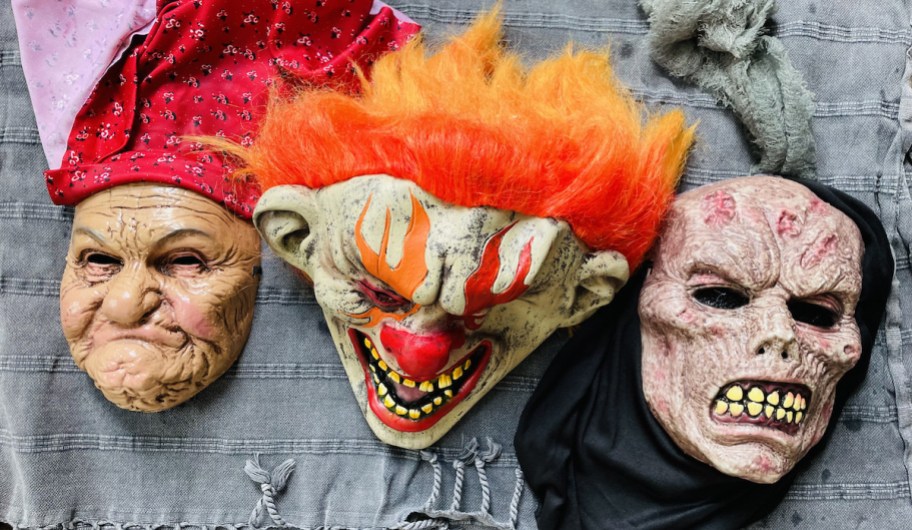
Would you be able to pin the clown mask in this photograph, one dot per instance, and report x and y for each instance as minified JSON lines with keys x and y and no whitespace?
{"x":157,"y":296}
{"x":431,"y":304}
{"x":748,"y":323}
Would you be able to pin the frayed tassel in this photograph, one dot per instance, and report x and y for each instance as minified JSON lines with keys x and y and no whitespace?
{"x":486,"y":457}
{"x":465,"y":457}
{"x":431,"y":458}
{"x":270,"y":484}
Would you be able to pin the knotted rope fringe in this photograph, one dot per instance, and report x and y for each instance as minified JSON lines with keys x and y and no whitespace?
{"x":483,"y":458}
{"x":429,"y":517}
{"x":431,"y":458}
{"x":517,"y":495}
{"x":270,"y":485}
{"x":466,"y":456}
{"x":720,"y":45}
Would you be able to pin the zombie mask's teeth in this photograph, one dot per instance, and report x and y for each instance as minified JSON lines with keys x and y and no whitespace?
{"x":438,"y":391}
{"x":775,"y":405}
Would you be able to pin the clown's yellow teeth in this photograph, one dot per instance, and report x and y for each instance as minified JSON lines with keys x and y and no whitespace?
{"x":442,"y":381}
{"x":438,"y":391}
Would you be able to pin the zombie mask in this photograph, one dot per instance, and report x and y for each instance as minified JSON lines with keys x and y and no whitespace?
{"x":431,"y":304}
{"x":157,"y":296}
{"x":748,"y":323}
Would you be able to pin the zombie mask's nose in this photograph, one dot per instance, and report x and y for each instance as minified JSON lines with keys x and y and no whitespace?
{"x":776,"y":334}
{"x":421,"y":355}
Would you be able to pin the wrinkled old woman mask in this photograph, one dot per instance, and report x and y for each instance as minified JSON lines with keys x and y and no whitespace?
{"x":157,"y":296}
{"x":158,"y":293}
{"x":748,"y":323}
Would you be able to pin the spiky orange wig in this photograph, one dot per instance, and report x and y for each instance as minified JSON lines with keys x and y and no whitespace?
{"x":473,"y":127}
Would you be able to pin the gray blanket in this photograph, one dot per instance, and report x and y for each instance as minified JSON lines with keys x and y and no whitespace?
{"x":70,"y":459}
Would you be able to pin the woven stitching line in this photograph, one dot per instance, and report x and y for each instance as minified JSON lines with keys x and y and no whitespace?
{"x":70,"y":442}
{"x":19,"y":135}
{"x":539,"y":20}
{"x":10,"y":58}
{"x":309,"y":371}
{"x":857,"y":491}
{"x":84,"y":524}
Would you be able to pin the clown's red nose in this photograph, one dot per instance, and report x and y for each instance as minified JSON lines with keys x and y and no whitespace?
{"x":421,"y":355}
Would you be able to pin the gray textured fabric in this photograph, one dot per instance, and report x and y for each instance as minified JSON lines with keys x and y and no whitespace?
{"x":721,"y":46}
{"x":69,"y":458}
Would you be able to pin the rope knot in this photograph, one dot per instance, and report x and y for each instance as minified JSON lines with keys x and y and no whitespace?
{"x":270,"y":484}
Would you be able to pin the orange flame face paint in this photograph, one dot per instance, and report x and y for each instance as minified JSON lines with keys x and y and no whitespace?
{"x":479,"y":287}
{"x":376,"y":315}
{"x":405,"y":277}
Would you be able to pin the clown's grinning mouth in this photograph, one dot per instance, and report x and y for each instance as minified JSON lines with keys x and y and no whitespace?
{"x":437,"y":392}
{"x":779,"y":406}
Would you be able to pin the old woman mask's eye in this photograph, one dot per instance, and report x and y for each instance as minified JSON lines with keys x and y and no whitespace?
{"x":99,"y":266}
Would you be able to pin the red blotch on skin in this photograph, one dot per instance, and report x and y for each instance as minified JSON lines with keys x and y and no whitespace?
{"x":788,"y":224}
{"x":763,"y":463}
{"x":818,"y":206}
{"x":191,"y":319}
{"x":686,"y":316}
{"x":719,"y":207}
{"x":821,"y":249}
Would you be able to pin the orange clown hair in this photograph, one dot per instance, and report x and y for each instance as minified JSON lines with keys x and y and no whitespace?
{"x":470,"y":125}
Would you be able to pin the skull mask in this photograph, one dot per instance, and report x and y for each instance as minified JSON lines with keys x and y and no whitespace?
{"x":430,"y":304}
{"x":748,"y":323}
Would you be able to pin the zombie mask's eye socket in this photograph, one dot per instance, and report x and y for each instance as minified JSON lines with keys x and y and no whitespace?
{"x":720,"y":297}
{"x":813,"y":313}
{"x":384,"y":298}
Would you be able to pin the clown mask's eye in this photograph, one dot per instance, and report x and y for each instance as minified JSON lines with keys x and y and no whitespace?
{"x":812,"y":313}
{"x":383,"y":298}
{"x":720,"y":297}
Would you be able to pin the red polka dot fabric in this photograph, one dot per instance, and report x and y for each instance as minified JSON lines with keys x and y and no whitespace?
{"x":204,"y":70}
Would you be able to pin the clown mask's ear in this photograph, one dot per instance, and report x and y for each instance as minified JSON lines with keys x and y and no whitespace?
{"x":284,"y":216}
{"x":598,"y":279}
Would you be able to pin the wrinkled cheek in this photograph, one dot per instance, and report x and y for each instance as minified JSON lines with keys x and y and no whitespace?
{"x":77,"y":310}
{"x":197,"y":317}
{"x":823,"y":420}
